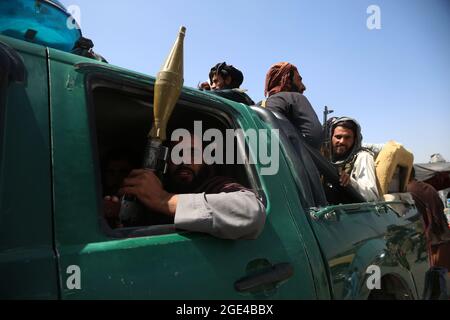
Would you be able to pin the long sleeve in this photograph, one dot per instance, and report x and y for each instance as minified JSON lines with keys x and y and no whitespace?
{"x":235,"y":215}
{"x":363,"y":176}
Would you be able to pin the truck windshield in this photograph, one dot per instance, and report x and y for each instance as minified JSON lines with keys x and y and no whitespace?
{"x":44,"y":22}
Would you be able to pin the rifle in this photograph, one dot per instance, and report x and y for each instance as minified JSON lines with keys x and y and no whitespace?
{"x":326,"y":145}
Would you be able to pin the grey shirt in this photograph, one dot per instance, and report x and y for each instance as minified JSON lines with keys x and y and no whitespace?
{"x":235,"y":215}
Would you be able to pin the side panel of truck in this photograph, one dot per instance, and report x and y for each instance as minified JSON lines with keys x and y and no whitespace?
{"x":356,"y":237}
{"x":180,"y":265}
{"x":27,"y":259}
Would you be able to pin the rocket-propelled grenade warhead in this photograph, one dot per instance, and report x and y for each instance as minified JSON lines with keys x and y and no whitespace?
{"x":168,"y":85}
{"x":169,"y":82}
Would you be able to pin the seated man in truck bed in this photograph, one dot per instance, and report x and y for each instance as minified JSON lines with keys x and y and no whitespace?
{"x":356,"y":164}
{"x":196,"y":200}
{"x":284,"y":88}
{"x":225,"y":81}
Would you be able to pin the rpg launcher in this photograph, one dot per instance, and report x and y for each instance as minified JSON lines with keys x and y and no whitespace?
{"x":169,"y":82}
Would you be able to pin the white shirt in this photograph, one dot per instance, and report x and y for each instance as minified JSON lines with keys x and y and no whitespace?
{"x":363,"y":176}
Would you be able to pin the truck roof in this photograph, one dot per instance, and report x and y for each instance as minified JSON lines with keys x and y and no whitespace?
{"x":45,"y":22}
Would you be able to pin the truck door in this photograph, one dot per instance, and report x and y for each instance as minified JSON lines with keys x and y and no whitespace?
{"x":27,"y":258}
{"x":161,"y":262}
{"x":357,"y":237}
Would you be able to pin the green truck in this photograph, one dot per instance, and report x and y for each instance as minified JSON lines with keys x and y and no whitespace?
{"x":60,"y":112}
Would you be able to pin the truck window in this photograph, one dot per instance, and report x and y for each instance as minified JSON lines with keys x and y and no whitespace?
{"x":122,"y":118}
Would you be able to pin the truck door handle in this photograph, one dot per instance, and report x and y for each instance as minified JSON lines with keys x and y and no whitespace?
{"x":274,"y":275}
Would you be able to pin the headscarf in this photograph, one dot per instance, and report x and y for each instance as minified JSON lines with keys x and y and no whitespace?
{"x":278,"y":79}
{"x":225,"y":70}
{"x":349,"y":161}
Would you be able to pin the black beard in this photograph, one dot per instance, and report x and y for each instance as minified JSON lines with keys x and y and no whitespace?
{"x":341,"y":157}
{"x":176,"y":187}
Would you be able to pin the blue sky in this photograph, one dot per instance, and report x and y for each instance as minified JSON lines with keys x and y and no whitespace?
{"x":395,"y":81}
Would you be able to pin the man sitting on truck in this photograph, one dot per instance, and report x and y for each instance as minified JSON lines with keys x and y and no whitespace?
{"x":355,"y":163}
{"x":284,"y":89}
{"x":225,"y":81}
{"x":197,"y":200}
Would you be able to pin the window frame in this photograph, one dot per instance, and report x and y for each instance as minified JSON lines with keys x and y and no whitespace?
{"x":145,"y":86}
